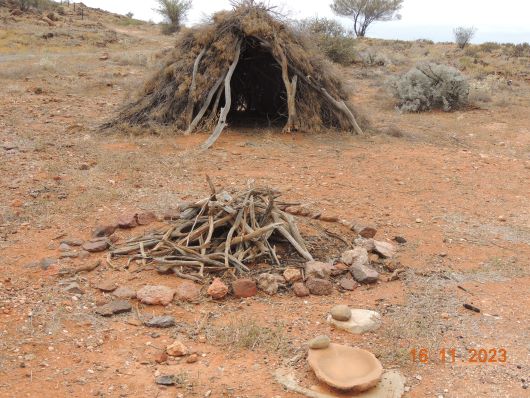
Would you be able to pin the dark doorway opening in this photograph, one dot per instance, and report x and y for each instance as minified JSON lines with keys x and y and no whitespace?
{"x":259,"y":98}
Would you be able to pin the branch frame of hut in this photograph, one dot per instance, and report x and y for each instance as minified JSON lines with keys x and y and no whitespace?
{"x":244,"y":66}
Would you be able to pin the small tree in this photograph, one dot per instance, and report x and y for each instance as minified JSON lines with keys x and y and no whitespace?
{"x":463,"y":36}
{"x":364,"y":12}
{"x":129,"y":15}
{"x":174,"y":11}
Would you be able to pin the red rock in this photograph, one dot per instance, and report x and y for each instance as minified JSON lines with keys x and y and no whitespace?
{"x":155,"y":295}
{"x":161,"y":357}
{"x":300,"y":289}
{"x":188,"y":291}
{"x":292,"y":275}
{"x":217,"y":290}
{"x":127,"y":221}
{"x":319,"y":287}
{"x":114,"y":307}
{"x":106,"y":286}
{"x":17,"y":203}
{"x":192,"y":358}
{"x":97,"y":246}
{"x":348,"y":284}
{"x":244,"y":287}
{"x":177,"y":349}
{"x":146,"y":218}
{"x":329,"y":218}
{"x":339,"y":269}
{"x":103,"y":230}
{"x":365,"y":231}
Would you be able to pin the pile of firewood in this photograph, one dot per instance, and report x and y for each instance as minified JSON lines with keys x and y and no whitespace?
{"x":225,"y":231}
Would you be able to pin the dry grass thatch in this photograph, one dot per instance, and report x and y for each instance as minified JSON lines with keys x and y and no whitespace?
{"x":245,"y":64}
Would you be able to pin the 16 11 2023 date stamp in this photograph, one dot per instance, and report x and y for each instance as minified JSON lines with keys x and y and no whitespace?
{"x":452,"y":355}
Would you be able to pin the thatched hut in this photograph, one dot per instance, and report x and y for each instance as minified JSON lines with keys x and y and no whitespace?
{"x":246,"y":64}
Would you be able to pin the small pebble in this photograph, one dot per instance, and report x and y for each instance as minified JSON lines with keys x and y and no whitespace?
{"x":319,"y":342}
{"x":341,"y":312}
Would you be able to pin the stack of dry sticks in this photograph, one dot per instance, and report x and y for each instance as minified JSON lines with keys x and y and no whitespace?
{"x":219,"y":233}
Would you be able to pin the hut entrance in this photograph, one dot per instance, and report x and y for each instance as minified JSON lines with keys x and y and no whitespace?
{"x":259,"y":97}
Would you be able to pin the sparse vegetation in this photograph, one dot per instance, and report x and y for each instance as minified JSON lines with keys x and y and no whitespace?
{"x":431,"y":86}
{"x":331,"y":38}
{"x":365,"y":12}
{"x":463,"y":36}
{"x":25,"y":5}
{"x":248,"y":335}
{"x":174,"y":11}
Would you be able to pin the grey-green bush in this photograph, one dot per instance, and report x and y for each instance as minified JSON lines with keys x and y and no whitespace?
{"x":331,"y":38}
{"x":431,"y":86}
{"x":463,"y":36}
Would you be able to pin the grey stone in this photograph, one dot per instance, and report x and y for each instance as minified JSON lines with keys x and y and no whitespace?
{"x":384,"y":249}
{"x":392,"y":385}
{"x":341,"y":312}
{"x":166,"y":380}
{"x":73,"y":288}
{"x":45,"y":263}
{"x":64,"y":247}
{"x":97,"y":246}
{"x":319,"y":342}
{"x":318,"y":269}
{"x":124,"y":292}
{"x":358,"y":255}
{"x":104,"y":230}
{"x":364,"y":273}
{"x":164,"y":321}
{"x":368,"y":244}
{"x":361,"y":321}
{"x":72,"y":254}
{"x":72,"y":242}
{"x":268,"y":283}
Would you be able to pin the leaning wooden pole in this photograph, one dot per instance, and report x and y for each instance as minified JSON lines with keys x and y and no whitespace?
{"x":205,"y":106}
{"x":193,"y":85}
{"x":290,"y":88}
{"x":228,"y":101}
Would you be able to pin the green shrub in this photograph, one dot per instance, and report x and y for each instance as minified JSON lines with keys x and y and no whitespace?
{"x":174,"y":12}
{"x":331,"y":38}
{"x":431,"y":86}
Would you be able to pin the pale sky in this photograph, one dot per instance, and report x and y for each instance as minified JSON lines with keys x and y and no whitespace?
{"x":501,"y":21}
